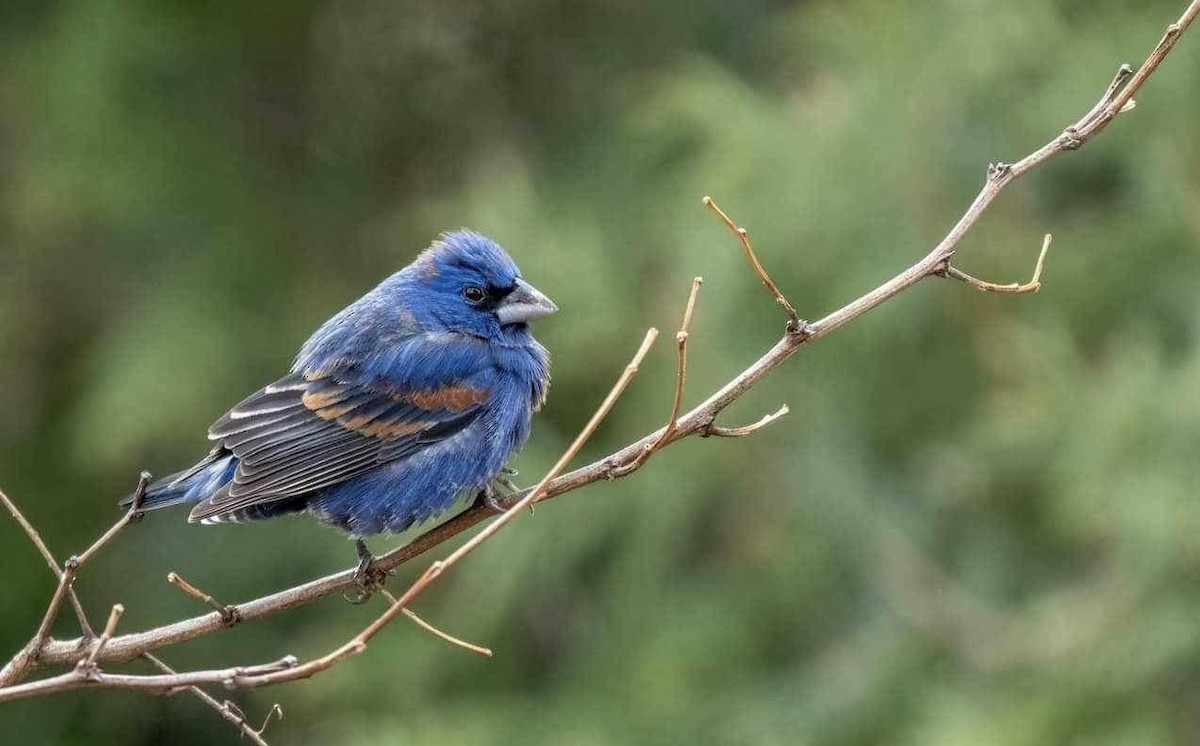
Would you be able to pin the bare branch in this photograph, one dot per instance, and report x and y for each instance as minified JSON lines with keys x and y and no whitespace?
{"x":156,"y":684}
{"x":1122,"y":99}
{"x":114,"y":616}
{"x":1016,"y":288}
{"x":36,"y":539}
{"x":795,"y":323}
{"x":744,"y":430}
{"x":229,"y":614}
{"x":131,"y":514}
{"x":681,"y":339}
{"x":477,"y":649}
{"x":276,"y":712}
{"x":697,"y":421}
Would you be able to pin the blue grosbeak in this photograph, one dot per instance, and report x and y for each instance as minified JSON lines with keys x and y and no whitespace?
{"x":414,"y":394}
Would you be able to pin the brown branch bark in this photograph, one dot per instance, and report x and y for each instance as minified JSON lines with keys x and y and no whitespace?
{"x":700,"y":420}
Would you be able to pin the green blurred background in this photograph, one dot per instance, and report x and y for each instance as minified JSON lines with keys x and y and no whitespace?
{"x":978,"y":525}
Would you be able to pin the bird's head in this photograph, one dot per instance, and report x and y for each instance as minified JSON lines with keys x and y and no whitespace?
{"x":469,"y":284}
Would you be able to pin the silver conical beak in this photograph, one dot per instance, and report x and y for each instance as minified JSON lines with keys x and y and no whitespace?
{"x":524,"y":304}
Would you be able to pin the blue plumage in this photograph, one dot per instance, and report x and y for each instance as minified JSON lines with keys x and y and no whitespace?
{"x":416,"y":393}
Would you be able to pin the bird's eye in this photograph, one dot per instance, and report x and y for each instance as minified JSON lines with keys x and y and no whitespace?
{"x":474,"y":294}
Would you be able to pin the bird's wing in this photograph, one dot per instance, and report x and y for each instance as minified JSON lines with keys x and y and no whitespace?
{"x":305,"y":432}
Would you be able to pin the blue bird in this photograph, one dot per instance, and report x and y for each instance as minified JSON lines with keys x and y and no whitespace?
{"x":411,"y":396}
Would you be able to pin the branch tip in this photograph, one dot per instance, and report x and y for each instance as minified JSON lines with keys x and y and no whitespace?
{"x":276,"y":711}
{"x":946,"y":269}
{"x":743,"y":238}
{"x":666,"y":434}
{"x":739,"y":432}
{"x":230,"y":615}
{"x":440,"y":634}
{"x":89,"y":664}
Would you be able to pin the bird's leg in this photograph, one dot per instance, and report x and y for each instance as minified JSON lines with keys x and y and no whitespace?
{"x":504,"y":480}
{"x":367,"y":577}
{"x":500,"y":488}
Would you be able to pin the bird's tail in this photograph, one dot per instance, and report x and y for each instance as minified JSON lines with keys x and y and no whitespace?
{"x":188,"y":486}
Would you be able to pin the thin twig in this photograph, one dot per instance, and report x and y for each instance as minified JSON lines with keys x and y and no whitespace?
{"x":276,"y":712}
{"x":1016,"y":288}
{"x":36,"y":539}
{"x":110,"y":626}
{"x":1122,"y":98}
{"x":135,"y":506}
{"x":226,"y":709}
{"x":681,"y":339}
{"x":744,"y":430}
{"x":477,"y":649}
{"x":228,"y":613}
{"x":795,"y":324}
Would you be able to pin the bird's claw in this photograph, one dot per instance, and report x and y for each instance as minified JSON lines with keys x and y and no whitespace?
{"x":499,"y":489}
{"x":367,"y":577}
{"x":494,"y":503}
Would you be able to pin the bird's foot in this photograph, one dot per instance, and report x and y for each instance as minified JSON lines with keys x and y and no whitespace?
{"x":499,"y":490}
{"x":492,"y":499}
{"x":367,"y":577}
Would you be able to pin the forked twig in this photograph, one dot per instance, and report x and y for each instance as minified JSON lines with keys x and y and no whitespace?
{"x":27,"y":657}
{"x":72,"y":565}
{"x":681,"y":338}
{"x":35,"y":538}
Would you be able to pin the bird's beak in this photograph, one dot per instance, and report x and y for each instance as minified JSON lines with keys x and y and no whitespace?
{"x":524,"y":304}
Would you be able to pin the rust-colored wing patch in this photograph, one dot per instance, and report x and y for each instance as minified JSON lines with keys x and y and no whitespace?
{"x":449,"y":398}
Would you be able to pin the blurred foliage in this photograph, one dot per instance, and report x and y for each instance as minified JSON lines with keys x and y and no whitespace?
{"x":978,"y":525}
